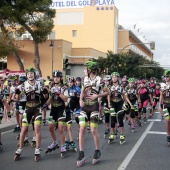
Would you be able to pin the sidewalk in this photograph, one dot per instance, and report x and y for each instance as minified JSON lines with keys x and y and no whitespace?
{"x":5,"y":126}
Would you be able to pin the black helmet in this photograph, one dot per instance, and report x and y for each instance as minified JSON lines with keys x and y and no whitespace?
{"x":78,"y":78}
{"x":57,"y":73}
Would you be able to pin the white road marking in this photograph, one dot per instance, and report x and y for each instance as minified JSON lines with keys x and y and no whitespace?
{"x":7,"y":132}
{"x":155,"y":132}
{"x":154,"y":120}
{"x":135,"y":148}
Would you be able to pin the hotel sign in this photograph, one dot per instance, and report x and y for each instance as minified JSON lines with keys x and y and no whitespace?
{"x":80,"y":3}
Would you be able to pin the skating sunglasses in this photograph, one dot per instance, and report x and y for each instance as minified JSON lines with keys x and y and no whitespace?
{"x":166,"y":76}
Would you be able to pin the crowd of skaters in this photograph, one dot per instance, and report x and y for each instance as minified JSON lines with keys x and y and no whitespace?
{"x":91,"y":98}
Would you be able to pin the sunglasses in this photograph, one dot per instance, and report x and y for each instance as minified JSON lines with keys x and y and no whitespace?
{"x":166,"y":76}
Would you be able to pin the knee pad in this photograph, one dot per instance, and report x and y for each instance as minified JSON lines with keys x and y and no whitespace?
{"x":94,"y":117}
{"x":120,"y":117}
{"x":82,"y":118}
{"x":38,"y":120}
{"x":144,"y":109}
{"x":107,"y":117}
{"x":77,"y":120}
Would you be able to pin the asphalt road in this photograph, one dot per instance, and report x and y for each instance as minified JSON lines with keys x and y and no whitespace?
{"x":145,"y":149}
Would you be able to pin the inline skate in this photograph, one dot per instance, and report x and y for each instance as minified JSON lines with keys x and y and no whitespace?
{"x":81,"y":159}
{"x":66,"y":144}
{"x":144,"y":120}
{"x":133,"y":128}
{"x":73,"y":145}
{"x":63,"y":152}
{"x":122,"y":139}
{"x":18,"y":154}
{"x":37,"y":154}
{"x":111,"y":138}
{"x":106,"y":133}
{"x":96,"y":157}
{"x":52,"y":147}
{"x":17,"y":129}
{"x":139,"y":123}
{"x":33,"y":142}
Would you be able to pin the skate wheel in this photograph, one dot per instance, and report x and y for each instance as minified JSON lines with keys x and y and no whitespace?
{"x":95,"y":161}
{"x":75,"y":149}
{"x":63,"y":155}
{"x":133,"y":131}
{"x":37,"y":158}
{"x":109,"y":142}
{"x":16,"y":157}
{"x":80,"y":163}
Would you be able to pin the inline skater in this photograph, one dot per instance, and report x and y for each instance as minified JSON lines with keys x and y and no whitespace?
{"x":32,"y":90}
{"x":132,"y":96}
{"x":143,"y":99}
{"x":58,"y":97}
{"x":104,"y":103}
{"x":165,"y":99}
{"x":90,"y":108}
{"x":117,"y":97}
{"x":151,"y":86}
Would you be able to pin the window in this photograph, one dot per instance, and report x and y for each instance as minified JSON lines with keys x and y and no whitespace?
{"x":74,"y":33}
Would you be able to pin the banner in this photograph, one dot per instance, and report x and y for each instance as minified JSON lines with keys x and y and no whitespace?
{"x":57,"y":4}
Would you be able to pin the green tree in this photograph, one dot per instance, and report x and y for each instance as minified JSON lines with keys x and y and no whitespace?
{"x":34,"y":16}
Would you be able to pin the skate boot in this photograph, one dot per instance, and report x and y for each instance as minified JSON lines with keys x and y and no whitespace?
{"x":168,"y":140}
{"x":44,"y":121}
{"x":63,"y":152}
{"x":133,"y":128}
{"x":33,"y":142}
{"x":81,"y":159}
{"x":18,"y":154}
{"x":111,"y":138}
{"x":1,"y":147}
{"x":139,"y":123}
{"x":88,"y":128}
{"x":26,"y":142}
{"x":122,"y":139}
{"x":37,"y":154}
{"x":66,"y":145}
{"x":144,"y":120}
{"x":17,"y":129}
{"x":106,"y":133}
{"x":52,"y":147}
{"x":73,"y":145}
{"x":96,"y":157}
{"x":100,"y":120}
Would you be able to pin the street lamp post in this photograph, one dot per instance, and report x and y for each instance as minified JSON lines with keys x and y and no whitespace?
{"x":52,"y":59}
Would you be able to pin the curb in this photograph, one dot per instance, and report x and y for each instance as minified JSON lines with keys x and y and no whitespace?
{"x":7,"y":128}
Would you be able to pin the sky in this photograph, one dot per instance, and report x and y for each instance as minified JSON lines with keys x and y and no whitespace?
{"x":152,"y":18}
